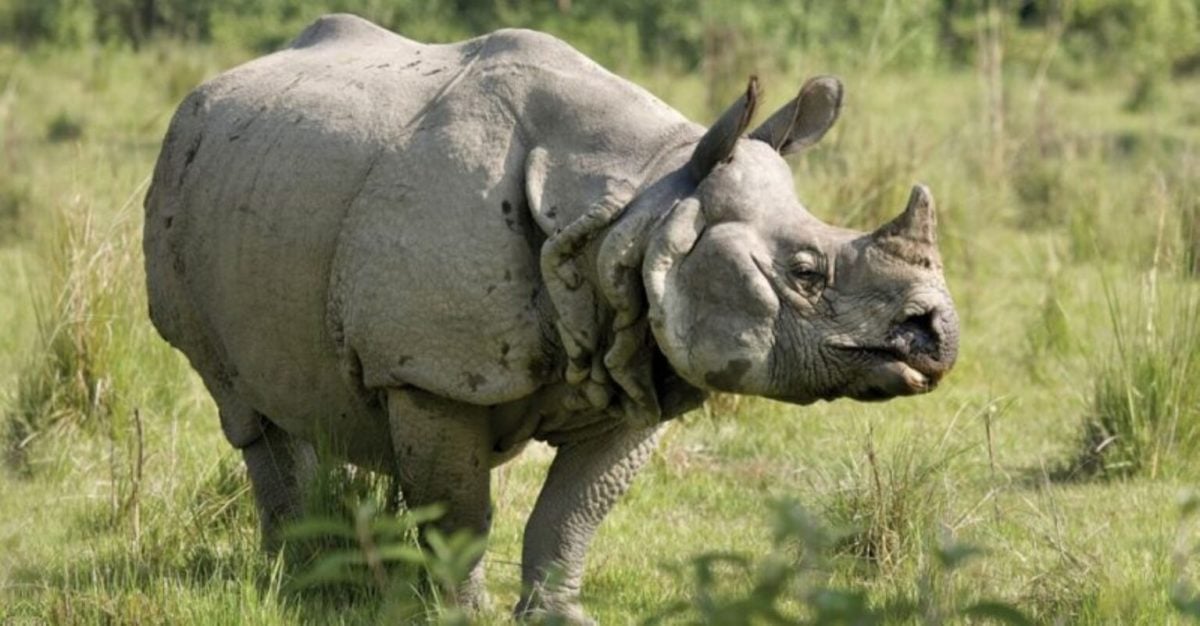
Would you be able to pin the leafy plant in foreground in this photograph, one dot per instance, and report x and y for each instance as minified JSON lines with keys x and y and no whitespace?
{"x":382,"y":553}
{"x":788,"y":585}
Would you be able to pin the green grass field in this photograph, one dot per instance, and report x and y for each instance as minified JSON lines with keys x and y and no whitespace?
{"x":1070,"y":227}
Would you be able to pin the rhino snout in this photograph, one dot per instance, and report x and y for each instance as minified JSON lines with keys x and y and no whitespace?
{"x":927,"y":341}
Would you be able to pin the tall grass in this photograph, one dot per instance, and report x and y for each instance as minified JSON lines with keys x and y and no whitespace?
{"x":888,"y":501}
{"x":85,"y":275}
{"x":94,"y":360}
{"x":1144,"y":416}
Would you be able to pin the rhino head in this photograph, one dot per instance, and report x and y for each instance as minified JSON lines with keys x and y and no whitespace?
{"x":750,"y":293}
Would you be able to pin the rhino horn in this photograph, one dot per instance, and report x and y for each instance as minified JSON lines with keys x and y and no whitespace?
{"x":917,"y":224}
{"x":717,"y":144}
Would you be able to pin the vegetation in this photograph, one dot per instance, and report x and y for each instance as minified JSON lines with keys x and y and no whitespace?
{"x":1060,"y":137}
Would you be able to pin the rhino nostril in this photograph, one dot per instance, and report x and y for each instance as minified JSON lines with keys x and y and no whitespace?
{"x":916,"y":336}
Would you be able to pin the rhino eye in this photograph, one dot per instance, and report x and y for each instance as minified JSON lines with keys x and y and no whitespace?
{"x":807,"y":270}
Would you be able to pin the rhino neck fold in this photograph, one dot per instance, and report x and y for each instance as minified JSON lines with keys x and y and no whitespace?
{"x":651,"y":390}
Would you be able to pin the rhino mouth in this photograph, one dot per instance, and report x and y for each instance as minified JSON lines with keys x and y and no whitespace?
{"x":888,"y":372}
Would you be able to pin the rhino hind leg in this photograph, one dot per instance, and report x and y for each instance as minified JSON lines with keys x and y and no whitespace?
{"x":585,"y":480}
{"x":281,"y":468}
{"x":443,"y":456}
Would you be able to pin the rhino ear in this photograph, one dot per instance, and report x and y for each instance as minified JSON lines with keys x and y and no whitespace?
{"x":717,"y":144}
{"x":803,"y":121}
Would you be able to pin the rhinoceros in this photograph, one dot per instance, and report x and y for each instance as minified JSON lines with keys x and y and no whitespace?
{"x":425,"y":256}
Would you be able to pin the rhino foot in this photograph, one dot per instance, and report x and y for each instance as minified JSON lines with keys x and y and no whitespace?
{"x":541,"y":608}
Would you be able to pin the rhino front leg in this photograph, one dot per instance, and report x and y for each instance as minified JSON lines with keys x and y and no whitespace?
{"x":585,"y":480}
{"x":443,"y":453}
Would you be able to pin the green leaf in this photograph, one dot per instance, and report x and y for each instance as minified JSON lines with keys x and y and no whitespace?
{"x":313,"y":527}
{"x":403,"y":553}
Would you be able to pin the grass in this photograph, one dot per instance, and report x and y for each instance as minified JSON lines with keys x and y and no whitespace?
{"x":1048,"y":260}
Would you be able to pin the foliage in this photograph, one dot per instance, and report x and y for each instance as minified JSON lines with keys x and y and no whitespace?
{"x":382,"y":553}
{"x":787,"y":585}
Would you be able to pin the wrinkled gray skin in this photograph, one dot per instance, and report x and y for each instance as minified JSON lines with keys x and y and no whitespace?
{"x":424,"y":256}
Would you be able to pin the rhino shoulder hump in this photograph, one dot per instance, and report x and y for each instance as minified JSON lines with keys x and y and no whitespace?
{"x":340,"y":27}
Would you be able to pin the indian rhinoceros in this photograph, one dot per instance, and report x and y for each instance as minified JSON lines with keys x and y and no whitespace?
{"x":425,"y":256}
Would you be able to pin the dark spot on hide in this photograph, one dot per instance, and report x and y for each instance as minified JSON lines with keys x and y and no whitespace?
{"x":411,"y":65}
{"x":409,"y":450}
{"x":552,"y":213}
{"x":191,"y":154}
{"x":403,"y":360}
{"x":474,"y":381}
{"x":490,"y":289}
{"x":382,"y":66}
{"x":512,"y":225}
{"x":299,"y":118}
{"x":507,"y":275}
{"x":170,"y":220}
{"x":728,"y":378}
{"x":432,"y":72}
{"x":234,"y":137}
{"x":506,"y":207}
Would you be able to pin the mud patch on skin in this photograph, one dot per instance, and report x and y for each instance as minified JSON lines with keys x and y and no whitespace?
{"x":727,"y":379}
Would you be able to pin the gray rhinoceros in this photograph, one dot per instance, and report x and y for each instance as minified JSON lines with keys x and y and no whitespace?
{"x":424,"y":256}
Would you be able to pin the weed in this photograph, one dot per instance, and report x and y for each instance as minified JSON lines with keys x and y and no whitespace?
{"x":788,"y":585}
{"x":888,"y":501}
{"x":382,"y":553}
{"x":69,"y":377}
